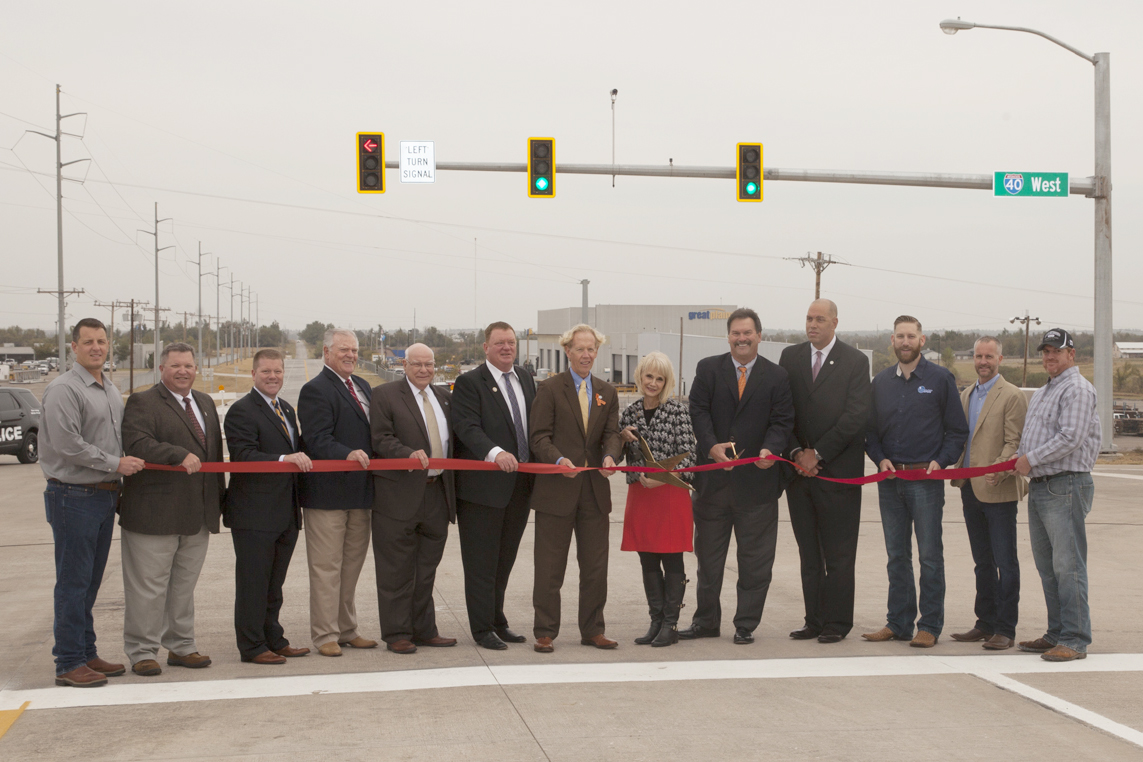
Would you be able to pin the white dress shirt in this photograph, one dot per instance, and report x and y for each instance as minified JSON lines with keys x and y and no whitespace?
{"x":517,"y":389}
{"x":357,"y":387}
{"x":194,"y":406}
{"x":442,"y":421}
{"x":824,"y":352}
{"x":749,"y":366}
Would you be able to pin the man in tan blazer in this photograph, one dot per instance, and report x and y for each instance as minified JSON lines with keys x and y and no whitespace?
{"x":995,"y":410}
{"x":574,"y":422}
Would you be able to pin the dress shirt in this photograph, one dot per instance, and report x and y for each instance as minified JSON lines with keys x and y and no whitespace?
{"x":517,"y":390}
{"x":357,"y":387}
{"x":194,"y":406}
{"x":825,"y":352}
{"x":289,"y":428}
{"x":81,"y":439}
{"x":916,"y":420}
{"x":749,"y":367}
{"x":1061,"y":430}
{"x":577,"y":380}
{"x":442,"y":422}
{"x":975,"y":403}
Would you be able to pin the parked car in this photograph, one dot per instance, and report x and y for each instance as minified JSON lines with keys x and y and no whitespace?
{"x":19,"y":424}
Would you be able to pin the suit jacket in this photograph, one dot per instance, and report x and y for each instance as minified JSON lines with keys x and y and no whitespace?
{"x":995,"y":440}
{"x":399,"y":431}
{"x":556,"y":426}
{"x":254,"y":433}
{"x":762,"y":419}
{"x":156,"y":428}
{"x":482,"y":419}
{"x":669,"y":433}
{"x":333,"y":425}
{"x":830,"y":414}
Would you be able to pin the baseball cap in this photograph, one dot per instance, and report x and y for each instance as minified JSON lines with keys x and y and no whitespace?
{"x":1058,"y":338}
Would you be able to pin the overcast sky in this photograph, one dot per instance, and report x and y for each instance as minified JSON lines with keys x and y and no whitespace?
{"x":238,"y":118}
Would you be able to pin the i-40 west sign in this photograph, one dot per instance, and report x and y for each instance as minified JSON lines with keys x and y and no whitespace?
{"x":1030,"y":184}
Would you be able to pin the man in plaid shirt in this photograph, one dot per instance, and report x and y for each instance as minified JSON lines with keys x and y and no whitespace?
{"x":1058,"y":449}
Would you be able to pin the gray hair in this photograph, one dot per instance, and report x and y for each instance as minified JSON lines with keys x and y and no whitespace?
{"x":993,"y":339}
{"x":327,"y":340}
{"x":178,"y":346}
{"x":418,"y":346}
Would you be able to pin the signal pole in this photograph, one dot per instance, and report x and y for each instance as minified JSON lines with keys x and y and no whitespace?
{"x":1026,"y":320}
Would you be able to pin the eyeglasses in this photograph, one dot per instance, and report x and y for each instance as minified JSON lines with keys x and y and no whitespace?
{"x":420,"y":365}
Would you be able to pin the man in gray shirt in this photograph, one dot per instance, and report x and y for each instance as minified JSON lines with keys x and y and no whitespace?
{"x":81,"y":450}
{"x":1058,"y":449}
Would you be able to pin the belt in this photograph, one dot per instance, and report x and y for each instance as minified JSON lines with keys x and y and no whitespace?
{"x":106,"y":486}
{"x":432,"y":479}
{"x":908,"y":466}
{"x":1045,"y":477}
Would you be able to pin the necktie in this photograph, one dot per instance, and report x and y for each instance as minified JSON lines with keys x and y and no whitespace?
{"x":431,"y":424}
{"x":584,"y":403}
{"x":518,"y":420}
{"x":817,"y":362}
{"x":353,"y":393}
{"x":285,"y":427}
{"x":741,"y":380}
{"x":194,"y":423}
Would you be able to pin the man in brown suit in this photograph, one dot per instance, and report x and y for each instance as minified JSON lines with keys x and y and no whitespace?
{"x":574,"y":423}
{"x":995,"y":410}
{"x":411,"y":509}
{"x":165,"y":516}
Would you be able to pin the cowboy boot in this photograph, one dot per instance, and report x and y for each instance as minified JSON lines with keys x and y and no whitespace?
{"x":675,"y":585}
{"x":653,"y":586}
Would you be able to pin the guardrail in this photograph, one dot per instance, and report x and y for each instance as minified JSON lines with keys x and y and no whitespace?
{"x":382,"y":373}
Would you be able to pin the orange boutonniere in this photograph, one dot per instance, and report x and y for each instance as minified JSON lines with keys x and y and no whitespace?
{"x":599,"y":400}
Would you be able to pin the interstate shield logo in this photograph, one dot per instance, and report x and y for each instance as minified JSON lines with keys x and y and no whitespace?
{"x":1013,"y":183}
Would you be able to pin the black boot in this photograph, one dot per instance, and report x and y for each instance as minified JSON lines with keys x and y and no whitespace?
{"x":653,"y":586}
{"x":675,"y":585}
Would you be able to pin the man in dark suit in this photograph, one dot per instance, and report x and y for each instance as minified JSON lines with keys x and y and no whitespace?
{"x":829,"y":381}
{"x":166,"y":517}
{"x":740,"y":408}
{"x":262,"y":511}
{"x":333,"y":409}
{"x":575,"y":423}
{"x":491,"y":405}
{"x":411,"y":509}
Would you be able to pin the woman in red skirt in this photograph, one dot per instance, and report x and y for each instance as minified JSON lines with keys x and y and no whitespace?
{"x":658,"y":521}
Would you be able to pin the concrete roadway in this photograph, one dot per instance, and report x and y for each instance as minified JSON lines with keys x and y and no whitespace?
{"x":708,"y":699}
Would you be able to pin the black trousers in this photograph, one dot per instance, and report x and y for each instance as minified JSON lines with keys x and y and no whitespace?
{"x":826,"y":519}
{"x":992,"y":538}
{"x":489,"y":540}
{"x":406,"y":555}
{"x":260,"y":563}
{"x":755,"y":530}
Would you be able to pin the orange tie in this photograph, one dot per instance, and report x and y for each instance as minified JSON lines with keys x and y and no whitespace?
{"x":741,"y":380}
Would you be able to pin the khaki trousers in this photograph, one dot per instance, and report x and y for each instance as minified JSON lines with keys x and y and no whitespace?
{"x":336,"y":544}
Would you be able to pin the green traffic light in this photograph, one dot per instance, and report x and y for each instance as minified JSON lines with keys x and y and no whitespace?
{"x":751,"y":188}
{"x":541,"y":183}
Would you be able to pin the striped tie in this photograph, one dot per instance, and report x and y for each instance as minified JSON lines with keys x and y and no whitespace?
{"x":741,"y":380}
{"x":282,"y":418}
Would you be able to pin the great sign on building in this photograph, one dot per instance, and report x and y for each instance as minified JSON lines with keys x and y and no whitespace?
{"x":708,"y":315}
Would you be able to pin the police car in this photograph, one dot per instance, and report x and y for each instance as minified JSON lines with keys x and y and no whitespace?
{"x":19,"y":424}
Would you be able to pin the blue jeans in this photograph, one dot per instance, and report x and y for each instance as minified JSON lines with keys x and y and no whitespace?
{"x":906,"y":505}
{"x":992,"y":537}
{"x":82,"y":520}
{"x":1057,"y":508}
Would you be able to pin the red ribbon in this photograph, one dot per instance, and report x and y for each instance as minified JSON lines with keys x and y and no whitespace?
{"x":457,"y":464}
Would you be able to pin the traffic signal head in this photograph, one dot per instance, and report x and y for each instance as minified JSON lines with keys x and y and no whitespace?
{"x":748,"y":172}
{"x":370,"y":162}
{"x":541,"y":167}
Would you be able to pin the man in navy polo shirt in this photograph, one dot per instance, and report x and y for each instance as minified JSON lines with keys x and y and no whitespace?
{"x":916,"y":421}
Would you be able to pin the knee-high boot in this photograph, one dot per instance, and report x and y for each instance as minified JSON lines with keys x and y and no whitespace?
{"x":675,"y":585}
{"x":653,"y":586}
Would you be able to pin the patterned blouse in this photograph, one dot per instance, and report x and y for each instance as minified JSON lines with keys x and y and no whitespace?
{"x":669,"y":433}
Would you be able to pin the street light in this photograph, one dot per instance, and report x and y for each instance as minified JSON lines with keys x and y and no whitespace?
{"x":1101,"y":193}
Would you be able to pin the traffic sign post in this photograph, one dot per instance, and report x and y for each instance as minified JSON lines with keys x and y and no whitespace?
{"x":418,"y":161}
{"x":1039,"y":184}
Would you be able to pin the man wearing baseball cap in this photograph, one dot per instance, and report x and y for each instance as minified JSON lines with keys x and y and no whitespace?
{"x":1058,"y":450}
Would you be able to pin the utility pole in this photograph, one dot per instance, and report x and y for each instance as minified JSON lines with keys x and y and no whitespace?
{"x":1026,"y":320}
{"x":199,"y":316}
{"x":60,"y":164}
{"x":114,"y":305}
{"x":583,"y":313}
{"x":233,"y":357}
{"x":217,"y":310}
{"x":157,"y":250}
{"x":818,"y":264}
{"x":60,"y":321}
{"x":475,"y":320}
{"x":257,"y":325}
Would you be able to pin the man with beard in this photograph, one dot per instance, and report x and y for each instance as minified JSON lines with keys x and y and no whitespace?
{"x":916,"y":422}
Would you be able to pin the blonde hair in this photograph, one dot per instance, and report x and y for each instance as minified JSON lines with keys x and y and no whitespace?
{"x":658,"y":363}
{"x":569,"y":335}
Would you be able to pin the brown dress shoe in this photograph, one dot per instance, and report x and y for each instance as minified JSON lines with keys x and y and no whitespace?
{"x":882,"y":635}
{"x":266,"y":657}
{"x":972,"y":635}
{"x":290,"y":652}
{"x":82,"y":677}
{"x":544,"y":646}
{"x":599,"y":641}
{"x":193,"y":660}
{"x":1037,"y":646}
{"x":923,"y":639}
{"x":402,"y":647}
{"x":1063,"y":653}
{"x":998,"y":642}
{"x":147,"y":668}
{"x":358,"y":642}
{"x":106,"y":667}
{"x":329,"y":649}
{"x":435,"y":642}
